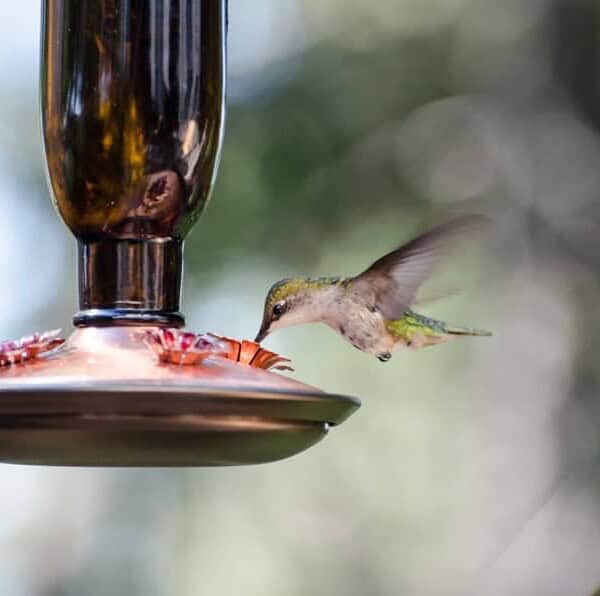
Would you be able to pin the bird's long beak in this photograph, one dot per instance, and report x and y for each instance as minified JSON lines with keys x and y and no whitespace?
{"x":263,"y":332}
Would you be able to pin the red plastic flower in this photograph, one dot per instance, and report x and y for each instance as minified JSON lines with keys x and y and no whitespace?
{"x":173,"y":346}
{"x":182,"y":347}
{"x":28,"y":348}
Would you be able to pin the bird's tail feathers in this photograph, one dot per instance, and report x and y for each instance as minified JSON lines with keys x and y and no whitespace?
{"x":467,"y":331}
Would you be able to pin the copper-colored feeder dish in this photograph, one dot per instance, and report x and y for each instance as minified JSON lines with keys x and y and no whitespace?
{"x":133,"y":101}
{"x":104,"y":398}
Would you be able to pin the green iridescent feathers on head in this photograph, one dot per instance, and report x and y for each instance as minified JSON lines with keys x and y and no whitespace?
{"x":285,"y":288}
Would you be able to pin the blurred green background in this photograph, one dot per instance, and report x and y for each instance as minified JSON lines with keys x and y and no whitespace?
{"x":472,"y":468}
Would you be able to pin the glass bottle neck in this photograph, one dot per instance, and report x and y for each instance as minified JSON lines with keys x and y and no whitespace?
{"x":130,"y":282}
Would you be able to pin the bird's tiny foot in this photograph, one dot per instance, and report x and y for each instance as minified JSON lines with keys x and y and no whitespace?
{"x":384,"y":356}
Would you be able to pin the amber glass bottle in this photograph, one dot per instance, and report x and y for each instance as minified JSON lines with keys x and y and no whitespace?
{"x":133,"y":98}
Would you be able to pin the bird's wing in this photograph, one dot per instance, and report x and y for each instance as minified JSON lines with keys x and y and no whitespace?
{"x":393,"y":281}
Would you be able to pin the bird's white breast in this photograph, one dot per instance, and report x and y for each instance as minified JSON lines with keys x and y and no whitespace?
{"x":362,"y":327}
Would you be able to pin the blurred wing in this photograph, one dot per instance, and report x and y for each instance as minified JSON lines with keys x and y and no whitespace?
{"x":393,"y":281}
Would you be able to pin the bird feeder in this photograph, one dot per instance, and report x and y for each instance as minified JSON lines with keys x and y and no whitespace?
{"x":133,"y":106}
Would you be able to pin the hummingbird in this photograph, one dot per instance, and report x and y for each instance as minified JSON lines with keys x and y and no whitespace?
{"x":372,"y":310}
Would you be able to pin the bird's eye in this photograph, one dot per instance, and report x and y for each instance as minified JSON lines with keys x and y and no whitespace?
{"x":278,"y":310}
